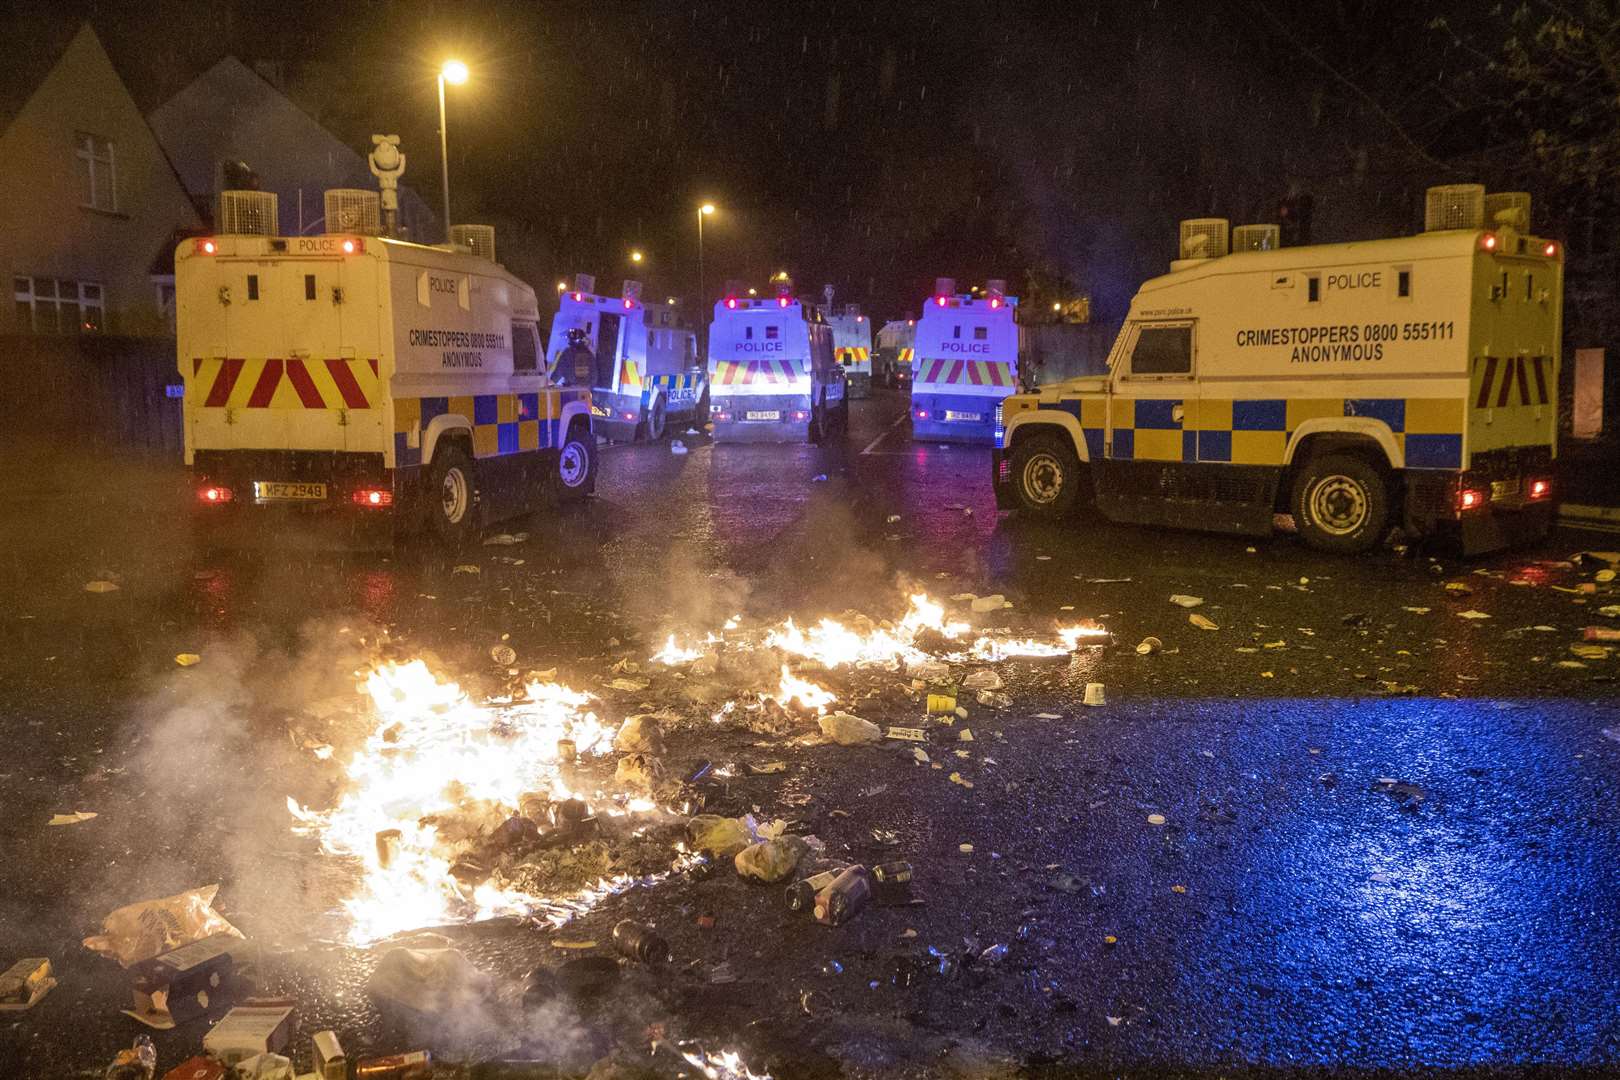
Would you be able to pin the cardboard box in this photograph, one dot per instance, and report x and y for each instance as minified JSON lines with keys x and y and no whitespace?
{"x":250,"y":1029}
{"x":24,"y":983}
{"x":182,"y":985}
{"x":330,"y":1062}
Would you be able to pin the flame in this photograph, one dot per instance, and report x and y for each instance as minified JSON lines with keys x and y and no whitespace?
{"x":433,"y":751}
{"x":723,"y":1065}
{"x":833,"y":644}
{"x":803,"y":691}
{"x":673,"y":655}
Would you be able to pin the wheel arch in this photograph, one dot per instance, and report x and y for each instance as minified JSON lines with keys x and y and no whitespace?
{"x":1038,"y":421}
{"x":442,"y":427}
{"x":1354,"y":434}
{"x":572,"y":412}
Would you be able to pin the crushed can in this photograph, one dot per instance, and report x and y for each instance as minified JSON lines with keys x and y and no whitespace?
{"x":891,"y":882}
{"x":801,"y":895}
{"x":412,"y":1065}
{"x":941,"y":704}
{"x":640,"y":943}
{"x":844,"y":898}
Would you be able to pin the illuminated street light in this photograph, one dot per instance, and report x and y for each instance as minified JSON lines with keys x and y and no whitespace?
{"x":702,"y":212}
{"x":753,"y":292}
{"x":635,"y":256}
{"x":455,"y":73}
{"x":562,"y":286}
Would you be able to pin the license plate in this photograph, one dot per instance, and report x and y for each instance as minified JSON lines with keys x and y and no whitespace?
{"x":771,"y":414}
{"x":969,"y":416}
{"x":1503,"y":488}
{"x":279,"y":490}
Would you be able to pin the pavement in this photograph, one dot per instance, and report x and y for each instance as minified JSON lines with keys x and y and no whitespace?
{"x":1291,"y":916}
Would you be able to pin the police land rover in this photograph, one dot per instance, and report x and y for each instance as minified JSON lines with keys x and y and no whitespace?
{"x":1355,"y":386}
{"x":772,"y":377}
{"x":646,"y":371}
{"x":346,"y":383}
{"x":852,"y":347}
{"x":966,"y":361}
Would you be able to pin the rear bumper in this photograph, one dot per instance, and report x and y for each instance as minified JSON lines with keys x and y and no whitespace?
{"x":243,"y":520}
{"x":860,"y":382}
{"x":1505,"y":516}
{"x":929,"y":421}
{"x":730,"y":416}
{"x":615,"y":416}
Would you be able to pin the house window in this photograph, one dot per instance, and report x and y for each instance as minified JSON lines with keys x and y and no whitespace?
{"x":56,"y":306}
{"x":98,"y":172}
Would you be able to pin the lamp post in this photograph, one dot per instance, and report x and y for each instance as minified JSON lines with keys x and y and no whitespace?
{"x":703,"y":211}
{"x":455,"y":73}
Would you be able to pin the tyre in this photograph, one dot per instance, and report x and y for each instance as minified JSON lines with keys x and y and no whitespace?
{"x":1046,"y":475}
{"x":453,"y":496}
{"x":1340,"y":503}
{"x":818,"y":421}
{"x":655,"y":419}
{"x":576,"y":465}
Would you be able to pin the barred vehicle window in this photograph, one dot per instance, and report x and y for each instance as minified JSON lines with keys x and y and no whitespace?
{"x":524,"y":352}
{"x":1162,"y":350}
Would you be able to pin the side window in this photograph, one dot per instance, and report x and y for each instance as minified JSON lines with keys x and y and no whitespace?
{"x":651,"y":337}
{"x":1162,"y":350}
{"x":1403,"y":284}
{"x":981,"y":333}
{"x":748,"y":333}
{"x":1313,"y":288}
{"x":772,"y":333}
{"x":524,"y":352}
{"x":956,"y":331}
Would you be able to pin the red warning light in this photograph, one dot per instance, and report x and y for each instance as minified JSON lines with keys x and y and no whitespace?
{"x":781,"y":301}
{"x":940,"y":300}
{"x":731,"y":302}
{"x":1488,"y":242}
{"x":1550,"y":250}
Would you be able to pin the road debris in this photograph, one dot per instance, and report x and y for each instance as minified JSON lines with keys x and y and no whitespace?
{"x":24,"y":983}
{"x":1185,"y":601}
{"x":434,"y":982}
{"x":772,"y":860}
{"x":1149,"y":646}
{"x":846,"y":729}
{"x":187,"y":659}
{"x":1201,"y":622}
{"x":1408,"y":796}
{"x":639,"y":942}
{"x":845,"y":898}
{"x":1472,"y":614}
{"x":1155,"y":819}
{"x":142,"y":930}
{"x":993,"y":602}
{"x":72,"y":818}
{"x":100,"y":586}
{"x":1094,"y":695}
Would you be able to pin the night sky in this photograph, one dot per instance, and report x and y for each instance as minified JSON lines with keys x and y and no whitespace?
{"x":874,"y":146}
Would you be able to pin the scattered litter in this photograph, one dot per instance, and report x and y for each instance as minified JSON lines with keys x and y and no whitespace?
{"x":848,"y":730}
{"x":844,"y":898}
{"x":724,"y":836}
{"x":819,"y":478}
{"x":434,"y":982}
{"x":1094,"y":695}
{"x":1043,"y":558}
{"x":767,"y":768}
{"x":892,"y":518}
{"x":1106,"y":580}
{"x":564,"y":943}
{"x":770,"y":861}
{"x":1472,"y":614}
{"x":993,"y":602}
{"x":1066,"y":883}
{"x":640,"y":942}
{"x":100,"y":587}
{"x":505,"y":539}
{"x":965,"y":849}
{"x":677,"y":447}
{"x":1048,"y":716}
{"x":983,"y":679}
{"x":941,"y":704}
{"x":906,"y":734}
{"x":139,"y":1061}
{"x":24,"y":983}
{"x":466,"y":568}
{"x":142,"y":930}
{"x":71,"y":819}
{"x":1148,"y":646}
{"x":1155,"y":819}
{"x":503,"y":655}
{"x":920,"y":755}
{"x":259,"y":1029}
{"x":958,"y":778}
{"x":1186,"y":601}
{"x":1201,"y":622}
{"x":1600,"y":633}
{"x":1417,"y":610}
{"x":965,"y":735}
{"x":186,"y":659}
{"x":1592,"y":652}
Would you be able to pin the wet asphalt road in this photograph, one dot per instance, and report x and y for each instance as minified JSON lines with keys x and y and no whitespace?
{"x":1284,"y":917}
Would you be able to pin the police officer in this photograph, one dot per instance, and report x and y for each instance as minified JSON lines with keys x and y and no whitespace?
{"x":576,"y":366}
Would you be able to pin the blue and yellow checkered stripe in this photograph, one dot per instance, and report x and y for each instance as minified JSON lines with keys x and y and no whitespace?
{"x":501,"y":423}
{"x":685,"y":380}
{"x":1256,"y":431}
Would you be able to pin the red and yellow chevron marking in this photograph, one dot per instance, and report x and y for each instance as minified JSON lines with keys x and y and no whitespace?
{"x":271,"y":383}
{"x":966,"y":373}
{"x":630,"y":375}
{"x":753,"y":372}
{"x":906,"y":355}
{"x":851,"y":354}
{"x":1512,"y":380}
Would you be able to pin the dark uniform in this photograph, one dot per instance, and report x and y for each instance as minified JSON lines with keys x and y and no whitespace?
{"x":576,"y":365}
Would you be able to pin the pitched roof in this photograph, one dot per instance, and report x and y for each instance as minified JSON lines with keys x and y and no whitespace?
{"x":25,"y":69}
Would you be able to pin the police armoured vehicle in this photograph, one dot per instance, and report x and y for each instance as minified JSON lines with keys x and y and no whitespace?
{"x":646,"y":373}
{"x":1409,"y":381}
{"x":852,"y":347}
{"x":891,"y":360}
{"x":772,"y":376}
{"x":353,"y":380}
{"x":966,"y":361}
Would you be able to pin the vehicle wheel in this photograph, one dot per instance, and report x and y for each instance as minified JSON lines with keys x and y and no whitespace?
{"x":576,"y":465}
{"x":1046,"y":476}
{"x":453,"y":496}
{"x":656,"y":420}
{"x":1340,"y":503}
{"x":818,"y":420}
{"x":843,"y":417}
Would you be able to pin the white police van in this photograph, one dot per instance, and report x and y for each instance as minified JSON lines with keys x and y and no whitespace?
{"x":966,"y":362}
{"x":649,"y":375}
{"x":852,"y":347}
{"x":772,"y":376}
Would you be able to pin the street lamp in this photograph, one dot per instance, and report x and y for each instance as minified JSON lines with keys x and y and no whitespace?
{"x":702,"y":212}
{"x":635,"y":256}
{"x":454,"y":72}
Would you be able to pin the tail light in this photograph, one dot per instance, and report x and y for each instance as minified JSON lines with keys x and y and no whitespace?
{"x":1539,"y":488}
{"x":1488,"y":242}
{"x":922,"y":414}
{"x":373,"y":497}
{"x":1471,"y":499}
{"x":214,"y":495}
{"x":720,"y":415}
{"x":627,"y":416}
{"x":799,"y":416}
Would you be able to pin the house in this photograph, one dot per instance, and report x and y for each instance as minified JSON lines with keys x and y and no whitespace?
{"x":89,"y":205}
{"x":230,"y":117}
